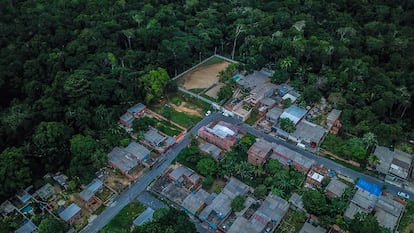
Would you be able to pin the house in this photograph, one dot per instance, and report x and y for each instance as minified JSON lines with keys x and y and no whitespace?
{"x":289,"y":96}
{"x":265,"y":104}
{"x":195,"y":202}
{"x":296,"y":202}
{"x":294,"y":113}
{"x":334,"y":125}
{"x":71,"y":213}
{"x":385,"y":157}
{"x":239,"y":109}
{"x":401,"y":165}
{"x":182,"y":174}
{"x":335,"y":188}
{"x":144,"y":217}
{"x":309,"y":133}
{"x":273,"y":209}
{"x":309,"y":228}
{"x":139,"y":151}
{"x":154,"y":138}
{"x":212,"y":150}
{"x":364,"y":198}
{"x":394,"y":162}
{"x":289,"y":157}
{"x":274,"y":114}
{"x":122,"y":160}
{"x":220,"y":133}
{"x":220,"y":206}
{"x":137,"y":110}
{"x":23,"y":196}
{"x":126,"y":120}
{"x":314,"y":178}
{"x":27,"y":227}
{"x":283,"y":89}
{"x":62,"y":179}
{"x":260,"y":92}
{"x":157,"y":140}
{"x":6,"y":208}
{"x":45,"y":192}
{"x":388,"y":212}
{"x":259,"y":152}
{"x":255,"y":79}
{"x":88,"y":194}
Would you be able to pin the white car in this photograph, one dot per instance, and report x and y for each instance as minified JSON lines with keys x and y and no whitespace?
{"x":208,"y":113}
{"x":403,"y":195}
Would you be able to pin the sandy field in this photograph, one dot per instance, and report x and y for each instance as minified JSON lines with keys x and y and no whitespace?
{"x":213,"y":91}
{"x":204,"y":76}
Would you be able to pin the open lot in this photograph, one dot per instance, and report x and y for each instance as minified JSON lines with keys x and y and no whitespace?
{"x":204,"y":76}
{"x":123,"y":221}
{"x":212,"y":92}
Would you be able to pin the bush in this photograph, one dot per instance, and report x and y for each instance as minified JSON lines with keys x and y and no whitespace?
{"x":238,"y":203}
{"x":207,"y":182}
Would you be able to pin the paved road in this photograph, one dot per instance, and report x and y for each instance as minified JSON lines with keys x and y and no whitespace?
{"x":320,"y":160}
{"x":140,"y":186}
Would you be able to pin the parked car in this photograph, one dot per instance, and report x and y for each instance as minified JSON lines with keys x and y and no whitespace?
{"x":403,"y":195}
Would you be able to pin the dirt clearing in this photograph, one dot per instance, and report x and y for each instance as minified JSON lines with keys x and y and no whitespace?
{"x":204,"y":76}
{"x":213,"y":91}
{"x":183,"y":108}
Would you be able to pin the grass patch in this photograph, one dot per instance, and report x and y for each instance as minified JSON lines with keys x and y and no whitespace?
{"x":123,"y":221}
{"x":254,"y":116}
{"x":407,"y":220}
{"x":167,"y":128}
{"x":184,"y":119}
{"x":197,"y":90}
{"x":212,"y":61}
{"x":208,"y":97}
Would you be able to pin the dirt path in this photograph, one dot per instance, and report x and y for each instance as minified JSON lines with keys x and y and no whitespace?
{"x":182,"y":108}
{"x":204,"y":76}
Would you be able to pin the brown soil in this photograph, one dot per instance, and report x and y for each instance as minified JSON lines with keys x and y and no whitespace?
{"x":204,"y":76}
{"x":116,"y":182}
{"x":213,"y":91}
{"x":182,"y":108}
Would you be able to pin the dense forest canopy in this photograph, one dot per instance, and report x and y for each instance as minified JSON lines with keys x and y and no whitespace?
{"x":69,"y":68}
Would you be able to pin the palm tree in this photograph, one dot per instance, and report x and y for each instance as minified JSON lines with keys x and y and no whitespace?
{"x":373,"y":160}
{"x":258,"y":171}
{"x":277,"y":191}
{"x":370,"y":140}
{"x":286,"y":63}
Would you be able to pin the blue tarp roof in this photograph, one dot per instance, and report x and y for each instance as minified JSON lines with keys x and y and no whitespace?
{"x":369,"y":187}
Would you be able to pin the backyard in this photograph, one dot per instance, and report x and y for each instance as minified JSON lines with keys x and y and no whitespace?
{"x":123,"y":221}
{"x":292,"y":222}
{"x":407,"y":220}
{"x":182,"y":109}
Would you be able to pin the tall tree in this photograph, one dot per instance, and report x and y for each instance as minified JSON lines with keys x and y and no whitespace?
{"x":14,"y":171}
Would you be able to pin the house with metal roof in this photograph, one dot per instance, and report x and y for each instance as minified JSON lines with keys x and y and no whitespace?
{"x":182,"y":174}
{"x":332,"y":121}
{"x":274,"y":114}
{"x":294,"y":113}
{"x":123,"y":160}
{"x":158,"y":140}
{"x":309,"y":133}
{"x":126,"y":120}
{"x":401,"y":164}
{"x":144,"y":217}
{"x":6,"y":208}
{"x":309,"y":228}
{"x":195,"y":202}
{"x":385,"y":157}
{"x":284,"y":88}
{"x":27,"y":227}
{"x":335,"y":188}
{"x":89,"y":192}
{"x":259,"y":152}
{"x":137,"y":110}
{"x":139,"y":151}
{"x":23,"y":196}
{"x":220,"y":133}
{"x":220,"y":207}
{"x":71,"y":213}
{"x":265,"y":104}
{"x":388,"y":212}
{"x":45,"y":192}
{"x":296,"y":202}
{"x":364,"y":199}
{"x":253,"y":80}
{"x":287,"y":156}
{"x":211,"y":150}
